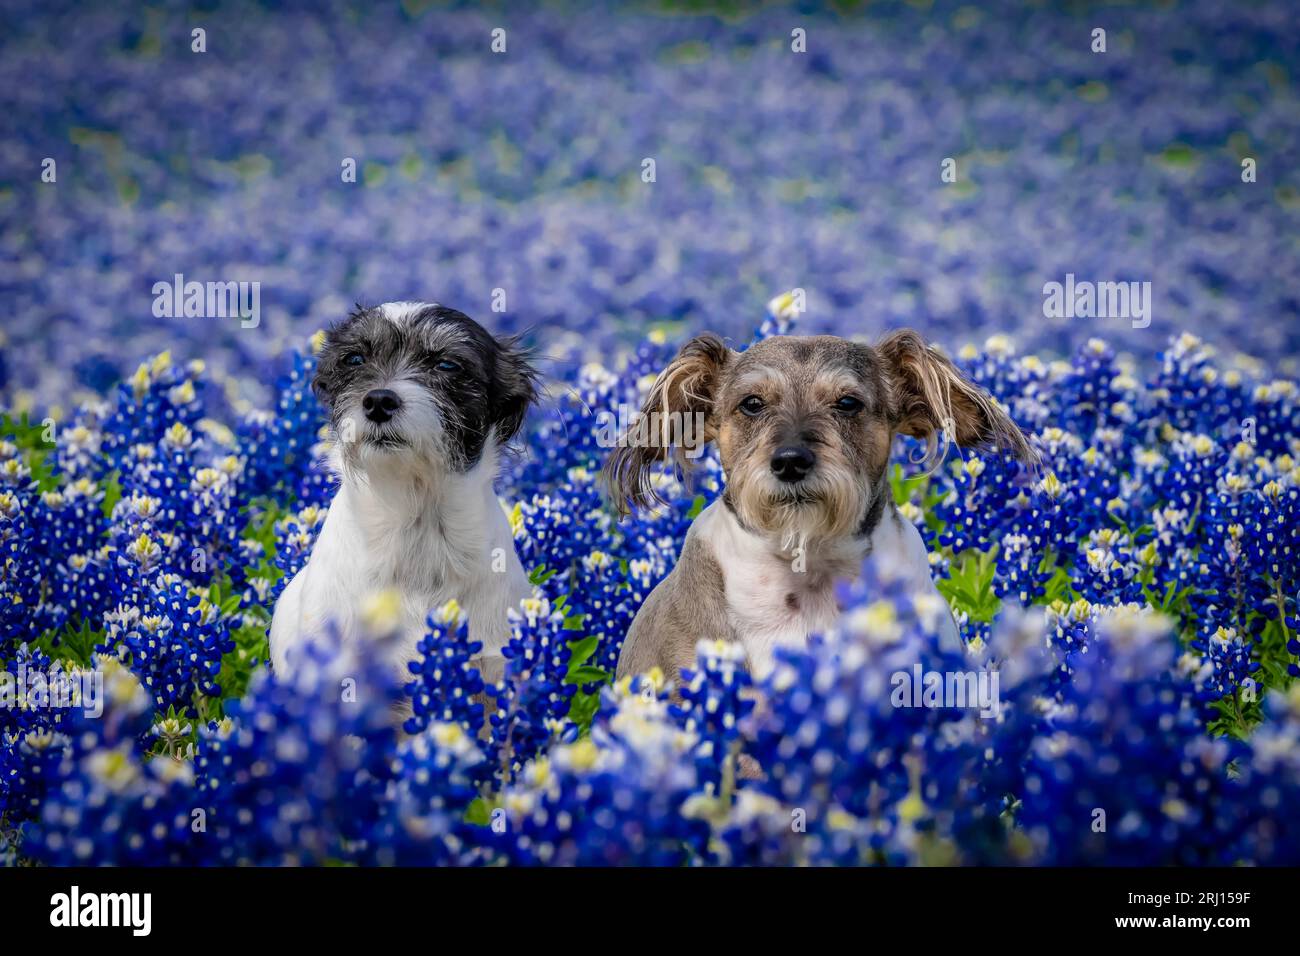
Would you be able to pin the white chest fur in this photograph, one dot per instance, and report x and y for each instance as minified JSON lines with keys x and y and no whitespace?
{"x":778,"y":598}
{"x":426,"y":541}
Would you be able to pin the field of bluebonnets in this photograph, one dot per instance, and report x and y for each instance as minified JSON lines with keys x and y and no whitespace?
{"x":160,"y":477}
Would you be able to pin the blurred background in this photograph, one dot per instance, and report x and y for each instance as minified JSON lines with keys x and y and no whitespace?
{"x":524,"y":171}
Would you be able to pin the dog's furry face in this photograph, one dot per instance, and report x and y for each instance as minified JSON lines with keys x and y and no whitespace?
{"x":804,"y":426}
{"x":803,"y":436}
{"x":422,"y":382}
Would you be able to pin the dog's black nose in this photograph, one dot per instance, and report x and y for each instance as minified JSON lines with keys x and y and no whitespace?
{"x":380,"y":403}
{"x":792,"y":463}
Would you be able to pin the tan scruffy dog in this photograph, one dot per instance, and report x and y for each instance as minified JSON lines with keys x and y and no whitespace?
{"x":804,"y":426}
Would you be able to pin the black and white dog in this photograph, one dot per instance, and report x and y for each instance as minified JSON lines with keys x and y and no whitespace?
{"x":421,"y":400}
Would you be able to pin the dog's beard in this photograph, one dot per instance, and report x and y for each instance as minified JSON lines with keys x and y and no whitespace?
{"x":826,"y":506}
{"x":413,"y":438}
{"x":385,"y":440}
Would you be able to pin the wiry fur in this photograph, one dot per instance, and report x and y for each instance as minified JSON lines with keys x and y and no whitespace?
{"x":934,"y":401}
{"x":760,"y":566}
{"x":415,"y":513}
{"x":685,"y":387}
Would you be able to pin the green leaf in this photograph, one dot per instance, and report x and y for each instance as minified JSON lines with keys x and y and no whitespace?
{"x":969,"y":586}
{"x":586,"y":675}
{"x":38,"y":454}
{"x":479,"y":812}
{"x":75,"y":642}
{"x":582,"y":650}
{"x":540,"y":575}
{"x":112,"y":492}
{"x":582,"y":710}
{"x":905,"y":488}
{"x":1059,"y":587}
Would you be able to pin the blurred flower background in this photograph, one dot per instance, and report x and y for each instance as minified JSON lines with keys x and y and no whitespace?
{"x":160,"y":477}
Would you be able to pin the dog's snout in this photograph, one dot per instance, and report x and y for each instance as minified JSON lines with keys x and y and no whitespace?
{"x":380,"y":403}
{"x":792,"y":463}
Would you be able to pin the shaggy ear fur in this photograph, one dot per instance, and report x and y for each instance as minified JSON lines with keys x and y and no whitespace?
{"x":516,"y":387}
{"x":685,"y":389}
{"x":930,"y":396}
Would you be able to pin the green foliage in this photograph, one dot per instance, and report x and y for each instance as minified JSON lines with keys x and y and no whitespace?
{"x":969,"y":585}
{"x":904,"y":488}
{"x":75,"y":643}
{"x":112,"y":492}
{"x":540,"y":575}
{"x":1059,"y":586}
{"x":250,"y":636}
{"x":920,"y":491}
{"x":1236,"y":717}
{"x":263,"y":515}
{"x":38,"y":455}
{"x":588,"y":679}
{"x":252,"y":647}
{"x":479,"y":812}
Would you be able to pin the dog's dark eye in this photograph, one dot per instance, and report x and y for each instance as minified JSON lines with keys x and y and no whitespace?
{"x":848,"y":404}
{"x":751,"y":405}
{"x":447,"y":365}
{"x":354,"y":359}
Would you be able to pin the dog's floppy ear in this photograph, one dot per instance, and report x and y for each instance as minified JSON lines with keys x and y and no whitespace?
{"x":515,"y":387}
{"x":930,"y":395}
{"x":680,"y":397}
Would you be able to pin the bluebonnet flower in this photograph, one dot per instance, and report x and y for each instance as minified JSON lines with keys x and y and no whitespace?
{"x":1123,"y":771}
{"x":1020,"y":384}
{"x":446,"y":684}
{"x":68,"y":526}
{"x":607,"y":594}
{"x":1108,"y":567}
{"x":1228,"y":656}
{"x":1095,"y":394}
{"x":1070,"y":625}
{"x":716,"y":699}
{"x":1270,"y":784}
{"x":34,"y":730}
{"x":422,"y":819}
{"x":616,"y":797}
{"x":105,"y":803}
{"x":847,"y":777}
{"x":174,"y":639}
{"x":296,"y":771}
{"x":1020,"y":571}
{"x":529,"y":707}
{"x":294,"y":536}
{"x":282,"y":445}
{"x":834,"y":744}
{"x":20,"y":584}
{"x":557,"y":530}
{"x":113,"y":809}
{"x":159,"y":399}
